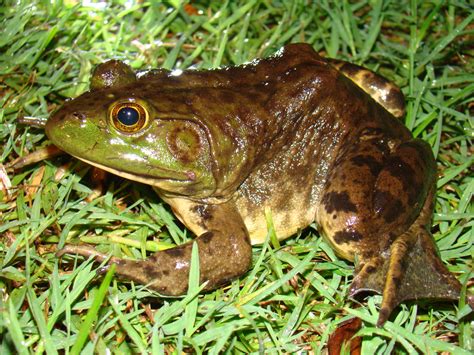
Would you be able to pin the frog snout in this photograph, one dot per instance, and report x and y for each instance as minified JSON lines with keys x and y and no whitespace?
{"x":60,"y":118}
{"x":56,"y":117}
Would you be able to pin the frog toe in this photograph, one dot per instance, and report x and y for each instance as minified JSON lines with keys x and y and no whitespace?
{"x":370,"y":277}
{"x":82,"y":249}
{"x":88,"y":251}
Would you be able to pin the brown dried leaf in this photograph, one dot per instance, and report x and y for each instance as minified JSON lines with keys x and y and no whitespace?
{"x":343,"y":336}
{"x":98,"y":177}
{"x":32,"y":189}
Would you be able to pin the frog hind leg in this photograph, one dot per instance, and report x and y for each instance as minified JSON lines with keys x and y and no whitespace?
{"x":387,"y":94}
{"x":376,"y":209}
{"x":413,"y":270}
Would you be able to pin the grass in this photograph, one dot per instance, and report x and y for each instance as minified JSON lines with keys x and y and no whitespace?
{"x":295,"y":295}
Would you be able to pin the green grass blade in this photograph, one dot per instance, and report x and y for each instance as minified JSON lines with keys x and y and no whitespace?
{"x":91,"y":316}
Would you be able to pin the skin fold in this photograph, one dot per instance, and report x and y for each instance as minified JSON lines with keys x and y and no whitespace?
{"x":309,"y":139}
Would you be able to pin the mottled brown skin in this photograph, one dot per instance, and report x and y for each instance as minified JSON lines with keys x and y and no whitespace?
{"x":384,"y":92}
{"x":292,"y":134}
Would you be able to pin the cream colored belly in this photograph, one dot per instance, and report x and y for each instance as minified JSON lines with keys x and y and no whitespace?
{"x":287,"y":221}
{"x":295,"y":215}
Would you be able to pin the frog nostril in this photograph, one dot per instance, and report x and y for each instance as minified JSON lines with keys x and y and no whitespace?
{"x":79,"y":115}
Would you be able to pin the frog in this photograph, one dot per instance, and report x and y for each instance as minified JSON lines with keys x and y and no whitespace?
{"x":308,"y":139}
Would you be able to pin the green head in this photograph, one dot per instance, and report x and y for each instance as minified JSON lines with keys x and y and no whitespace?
{"x":133,"y":130}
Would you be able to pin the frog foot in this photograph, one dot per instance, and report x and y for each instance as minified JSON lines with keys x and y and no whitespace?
{"x":412,"y":271}
{"x":154,"y":272}
{"x":222,"y":257}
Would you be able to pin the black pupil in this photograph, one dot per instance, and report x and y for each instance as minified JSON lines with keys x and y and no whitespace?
{"x":128,"y":116}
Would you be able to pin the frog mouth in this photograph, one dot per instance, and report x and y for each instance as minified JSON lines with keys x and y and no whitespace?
{"x":145,"y":179}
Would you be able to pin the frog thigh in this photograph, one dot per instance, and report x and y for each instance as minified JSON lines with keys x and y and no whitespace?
{"x":387,"y":94}
{"x":377,"y":208}
{"x":224,"y":254}
{"x":346,"y":217}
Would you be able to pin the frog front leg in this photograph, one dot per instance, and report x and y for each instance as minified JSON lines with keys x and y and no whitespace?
{"x":376,"y":210}
{"x":224,"y":254}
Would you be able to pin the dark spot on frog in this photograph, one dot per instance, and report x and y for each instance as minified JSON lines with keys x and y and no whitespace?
{"x":370,"y":269}
{"x":388,"y":205}
{"x":207,"y":237}
{"x":369,"y":161}
{"x":402,"y":171}
{"x":175,"y":252}
{"x":347,"y":236}
{"x":350,"y":69}
{"x":407,"y":176}
{"x":395,"y":98}
{"x":338,"y":201}
{"x":393,"y":211}
{"x":152,"y":271}
{"x":202,"y":211}
{"x":371,"y":79}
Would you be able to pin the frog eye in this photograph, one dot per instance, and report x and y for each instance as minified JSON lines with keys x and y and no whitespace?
{"x":128,"y":117}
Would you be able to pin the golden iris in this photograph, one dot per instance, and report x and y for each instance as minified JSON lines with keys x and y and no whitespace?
{"x":128,"y":117}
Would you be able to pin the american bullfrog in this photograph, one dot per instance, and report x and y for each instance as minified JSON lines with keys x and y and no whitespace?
{"x":307,"y":138}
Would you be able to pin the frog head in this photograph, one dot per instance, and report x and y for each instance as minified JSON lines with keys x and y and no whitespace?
{"x":136,"y":131}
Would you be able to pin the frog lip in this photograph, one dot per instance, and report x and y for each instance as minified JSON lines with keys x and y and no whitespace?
{"x":143,"y":178}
